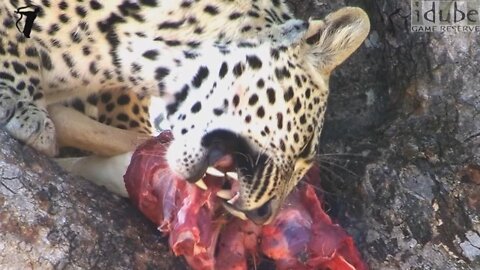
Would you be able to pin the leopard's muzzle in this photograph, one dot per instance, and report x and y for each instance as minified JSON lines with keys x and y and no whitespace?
{"x":239,"y":173}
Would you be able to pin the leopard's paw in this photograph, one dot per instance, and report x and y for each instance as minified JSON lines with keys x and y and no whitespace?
{"x":7,"y":107}
{"x":30,"y":124}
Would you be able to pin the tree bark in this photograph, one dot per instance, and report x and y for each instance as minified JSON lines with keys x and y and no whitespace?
{"x":52,"y":220}
{"x":400,"y":154}
{"x":401,"y":143}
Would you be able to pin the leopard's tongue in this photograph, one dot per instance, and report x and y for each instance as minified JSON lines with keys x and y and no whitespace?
{"x":225,"y":163}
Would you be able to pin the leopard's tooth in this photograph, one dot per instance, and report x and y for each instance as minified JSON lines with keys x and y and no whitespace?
{"x":201,"y":184}
{"x":233,"y":175}
{"x":225,"y":194}
{"x":234,"y":198}
{"x":214,"y":171}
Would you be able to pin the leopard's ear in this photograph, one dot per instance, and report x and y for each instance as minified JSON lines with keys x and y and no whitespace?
{"x":330,"y":41}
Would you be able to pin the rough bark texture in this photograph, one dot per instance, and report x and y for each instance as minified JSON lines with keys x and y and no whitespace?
{"x":401,"y":165}
{"x":405,"y":111}
{"x":51,"y":220}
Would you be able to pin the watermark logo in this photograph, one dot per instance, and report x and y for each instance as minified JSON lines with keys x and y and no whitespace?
{"x":445,"y":16}
{"x":30,"y":12}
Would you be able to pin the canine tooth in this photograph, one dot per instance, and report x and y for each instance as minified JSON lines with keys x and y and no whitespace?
{"x":224,"y":194}
{"x":214,"y":171}
{"x":201,"y":184}
{"x":233,"y":175}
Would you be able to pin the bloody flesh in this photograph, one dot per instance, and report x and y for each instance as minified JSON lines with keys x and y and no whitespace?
{"x":302,"y":236}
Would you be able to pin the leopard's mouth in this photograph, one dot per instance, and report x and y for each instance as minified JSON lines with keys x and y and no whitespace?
{"x":227,"y":170}
{"x":222,"y":179}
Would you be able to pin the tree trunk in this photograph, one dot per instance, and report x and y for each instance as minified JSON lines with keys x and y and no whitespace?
{"x":401,"y":142}
{"x":52,"y":220}
{"x":400,"y":158}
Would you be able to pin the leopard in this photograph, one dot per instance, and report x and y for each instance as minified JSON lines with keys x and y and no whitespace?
{"x":239,"y":78}
{"x":122,"y":108}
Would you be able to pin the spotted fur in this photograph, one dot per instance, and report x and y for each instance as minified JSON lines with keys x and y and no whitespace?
{"x":120,"y":108}
{"x":237,"y":75}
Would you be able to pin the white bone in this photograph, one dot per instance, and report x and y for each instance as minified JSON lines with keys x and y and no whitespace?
{"x":107,"y":172}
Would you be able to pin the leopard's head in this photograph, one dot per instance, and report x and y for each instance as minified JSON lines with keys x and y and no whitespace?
{"x":257,"y":111}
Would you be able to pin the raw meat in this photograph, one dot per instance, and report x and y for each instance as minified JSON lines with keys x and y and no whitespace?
{"x":302,"y":236}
